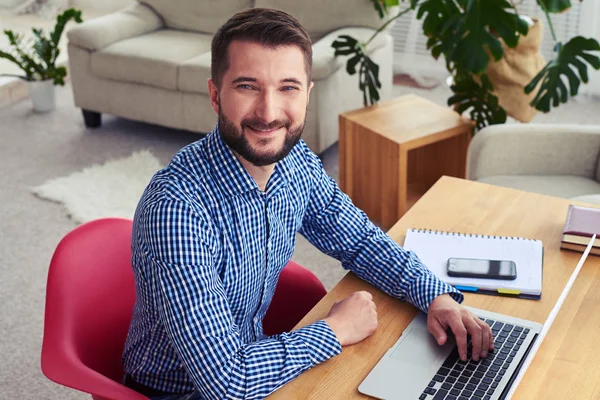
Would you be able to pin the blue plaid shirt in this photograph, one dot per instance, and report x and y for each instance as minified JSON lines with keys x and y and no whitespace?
{"x":208,"y":247}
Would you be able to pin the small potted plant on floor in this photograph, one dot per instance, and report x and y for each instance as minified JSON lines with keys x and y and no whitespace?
{"x":37,"y":58}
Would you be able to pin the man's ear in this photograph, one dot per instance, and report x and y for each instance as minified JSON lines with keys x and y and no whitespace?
{"x":310,"y":86}
{"x":213,"y":92}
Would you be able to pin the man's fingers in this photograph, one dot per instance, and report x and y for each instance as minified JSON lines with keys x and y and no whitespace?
{"x":460,"y":333}
{"x":438,"y":331}
{"x":485,"y":339}
{"x":475,"y":331}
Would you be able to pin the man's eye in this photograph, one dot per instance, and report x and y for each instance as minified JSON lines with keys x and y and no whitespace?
{"x":290,"y":88}
{"x":248,"y":87}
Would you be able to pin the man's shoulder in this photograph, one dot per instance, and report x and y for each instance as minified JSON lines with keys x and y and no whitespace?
{"x":181,"y":181}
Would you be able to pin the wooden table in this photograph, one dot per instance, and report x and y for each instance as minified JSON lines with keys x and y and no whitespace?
{"x":391,"y":153}
{"x":567,"y":366}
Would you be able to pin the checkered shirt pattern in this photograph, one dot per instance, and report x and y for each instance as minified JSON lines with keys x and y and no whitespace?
{"x":208,"y":247}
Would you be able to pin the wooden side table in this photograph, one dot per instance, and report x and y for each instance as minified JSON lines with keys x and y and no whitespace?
{"x":391,"y":153}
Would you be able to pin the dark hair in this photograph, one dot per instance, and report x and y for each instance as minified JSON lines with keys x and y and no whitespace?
{"x":268,"y":27}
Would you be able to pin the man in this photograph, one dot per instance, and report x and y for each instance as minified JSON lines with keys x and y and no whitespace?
{"x":214,"y":229}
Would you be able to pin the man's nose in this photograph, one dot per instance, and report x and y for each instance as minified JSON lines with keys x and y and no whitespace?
{"x":267,"y":108}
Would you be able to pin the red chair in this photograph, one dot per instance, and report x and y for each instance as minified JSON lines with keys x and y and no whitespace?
{"x":297,"y":292}
{"x":89,"y":300}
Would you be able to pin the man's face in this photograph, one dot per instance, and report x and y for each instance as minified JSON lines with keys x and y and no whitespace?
{"x":262,"y":101}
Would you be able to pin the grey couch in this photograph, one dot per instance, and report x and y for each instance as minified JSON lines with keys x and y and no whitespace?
{"x":557,"y":160}
{"x":150,"y":62}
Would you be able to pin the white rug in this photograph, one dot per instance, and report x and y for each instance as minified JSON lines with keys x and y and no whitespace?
{"x":112,"y":189}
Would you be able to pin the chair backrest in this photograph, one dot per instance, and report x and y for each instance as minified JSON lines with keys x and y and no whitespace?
{"x":298,"y":291}
{"x":89,"y":301}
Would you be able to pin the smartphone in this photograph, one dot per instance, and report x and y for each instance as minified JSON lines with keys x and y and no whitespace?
{"x":478,"y":268}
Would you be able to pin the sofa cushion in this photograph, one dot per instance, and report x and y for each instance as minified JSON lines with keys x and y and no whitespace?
{"x":320,"y":17}
{"x":197,"y":15}
{"x":566,"y":186}
{"x":100,"y":32}
{"x":150,"y":59}
{"x":194,"y":74}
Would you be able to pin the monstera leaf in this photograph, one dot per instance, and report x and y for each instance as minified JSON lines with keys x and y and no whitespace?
{"x":554,"y":6}
{"x":368,"y":71}
{"x":570,"y":58}
{"x":483,"y":106}
{"x":467,"y":31}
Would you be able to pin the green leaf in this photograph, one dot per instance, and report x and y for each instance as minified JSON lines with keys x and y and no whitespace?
{"x":37,"y":58}
{"x":468,"y":31}
{"x":43,"y":48}
{"x":13,"y":59}
{"x":61,"y":22}
{"x":368,"y":71}
{"x":381,"y":7}
{"x":344,"y":41}
{"x":369,"y":82}
{"x":555,"y":6}
{"x":476,"y":98}
{"x":571,"y":59}
{"x":351,"y":64}
{"x":58,"y":75}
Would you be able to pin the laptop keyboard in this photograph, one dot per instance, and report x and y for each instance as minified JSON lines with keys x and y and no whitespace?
{"x":461,"y":380}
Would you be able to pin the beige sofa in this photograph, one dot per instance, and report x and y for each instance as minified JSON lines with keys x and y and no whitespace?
{"x":557,"y":160}
{"x":151,"y":61}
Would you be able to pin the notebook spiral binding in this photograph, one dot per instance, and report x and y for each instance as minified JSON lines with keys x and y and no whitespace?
{"x":436,"y":232}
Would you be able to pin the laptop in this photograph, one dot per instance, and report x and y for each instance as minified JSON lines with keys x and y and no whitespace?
{"x":416,"y":367}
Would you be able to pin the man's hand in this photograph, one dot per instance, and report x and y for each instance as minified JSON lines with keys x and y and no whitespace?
{"x":444,"y":312}
{"x":353,"y":318}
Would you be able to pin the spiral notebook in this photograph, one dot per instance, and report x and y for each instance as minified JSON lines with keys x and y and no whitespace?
{"x":435,"y":247}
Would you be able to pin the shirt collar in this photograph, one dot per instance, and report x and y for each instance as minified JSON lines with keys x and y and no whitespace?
{"x":232,"y":176}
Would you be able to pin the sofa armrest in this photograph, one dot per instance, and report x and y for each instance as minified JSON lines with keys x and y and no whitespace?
{"x":103,"y":31}
{"x":534,"y":149}
{"x":324,"y":61}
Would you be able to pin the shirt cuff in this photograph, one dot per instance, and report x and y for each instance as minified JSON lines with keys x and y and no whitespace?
{"x":427,"y":287}
{"x":320,"y":340}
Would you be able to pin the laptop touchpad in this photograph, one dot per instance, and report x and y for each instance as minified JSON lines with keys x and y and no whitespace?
{"x":419,"y":348}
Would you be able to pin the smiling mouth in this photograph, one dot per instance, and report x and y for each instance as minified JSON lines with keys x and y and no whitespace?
{"x":264,"y":131}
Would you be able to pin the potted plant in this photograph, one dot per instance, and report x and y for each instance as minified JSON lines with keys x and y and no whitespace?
{"x":37,"y":58}
{"x":470,"y":34}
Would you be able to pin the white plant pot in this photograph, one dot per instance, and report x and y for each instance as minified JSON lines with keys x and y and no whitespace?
{"x":42,"y":95}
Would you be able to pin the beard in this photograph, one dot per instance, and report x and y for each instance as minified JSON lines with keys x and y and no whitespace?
{"x":236,"y":140}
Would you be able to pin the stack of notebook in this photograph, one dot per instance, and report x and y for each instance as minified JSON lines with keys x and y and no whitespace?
{"x":582,"y":223}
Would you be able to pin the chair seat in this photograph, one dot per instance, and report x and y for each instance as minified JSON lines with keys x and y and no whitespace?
{"x":565,"y":186}
{"x":150,"y":59}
